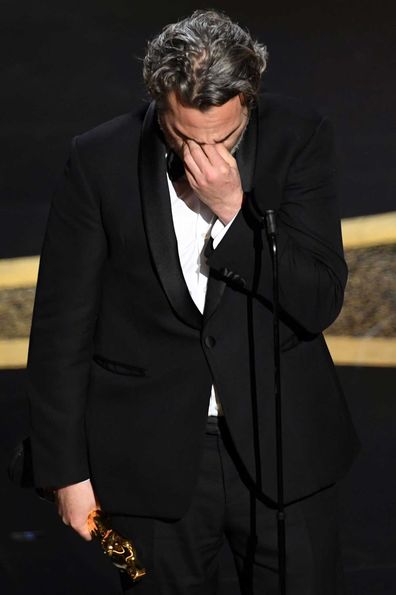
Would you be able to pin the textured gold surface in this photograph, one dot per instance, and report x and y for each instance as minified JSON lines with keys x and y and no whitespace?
{"x":121,"y":551}
{"x":16,"y":306}
{"x":370,"y":297}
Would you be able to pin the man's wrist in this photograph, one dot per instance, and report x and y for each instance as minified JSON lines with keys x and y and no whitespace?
{"x":229,"y":213}
{"x":219,"y":230}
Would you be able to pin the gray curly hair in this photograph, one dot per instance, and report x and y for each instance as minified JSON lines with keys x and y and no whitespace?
{"x":206,"y":59}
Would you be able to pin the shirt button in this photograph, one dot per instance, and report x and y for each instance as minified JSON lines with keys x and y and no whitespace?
{"x":210,"y":341}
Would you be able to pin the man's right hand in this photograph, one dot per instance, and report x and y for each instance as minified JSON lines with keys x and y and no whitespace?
{"x":75,"y":502}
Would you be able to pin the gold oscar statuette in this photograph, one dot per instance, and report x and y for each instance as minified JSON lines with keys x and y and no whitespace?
{"x":120,"y":550}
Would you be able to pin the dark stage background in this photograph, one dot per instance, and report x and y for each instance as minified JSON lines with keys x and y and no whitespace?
{"x":69,"y":66}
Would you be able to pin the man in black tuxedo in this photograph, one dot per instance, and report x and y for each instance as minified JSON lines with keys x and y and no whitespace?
{"x":150,"y":368}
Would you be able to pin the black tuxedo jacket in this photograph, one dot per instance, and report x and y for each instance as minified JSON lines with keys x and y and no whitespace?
{"x":121,"y":361}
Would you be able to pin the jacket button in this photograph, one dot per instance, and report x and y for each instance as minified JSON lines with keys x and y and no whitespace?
{"x":210,"y":341}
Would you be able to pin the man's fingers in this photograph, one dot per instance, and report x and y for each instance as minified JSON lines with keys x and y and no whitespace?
{"x":211,"y":157}
{"x":79,"y":527}
{"x":225,"y":155}
{"x":207,"y":161}
{"x":213,"y":174}
{"x":207,"y":156}
{"x":84,"y":533}
{"x":214,"y":156}
{"x":190,"y":163}
{"x":75,"y":502}
{"x":190,"y":178}
{"x":199,"y":156}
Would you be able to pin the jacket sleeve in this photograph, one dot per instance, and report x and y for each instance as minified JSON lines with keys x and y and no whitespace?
{"x":64,"y":315}
{"x":312,"y":269}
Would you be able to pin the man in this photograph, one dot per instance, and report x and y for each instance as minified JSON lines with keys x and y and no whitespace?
{"x":150,"y":371}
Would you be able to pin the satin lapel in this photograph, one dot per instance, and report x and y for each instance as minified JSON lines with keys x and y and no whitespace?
{"x":214,"y":293}
{"x":246,"y":158}
{"x":158,"y":221}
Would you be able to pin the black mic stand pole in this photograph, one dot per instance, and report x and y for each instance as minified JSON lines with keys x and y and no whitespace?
{"x":270,"y":221}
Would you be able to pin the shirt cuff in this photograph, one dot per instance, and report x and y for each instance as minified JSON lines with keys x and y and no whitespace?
{"x":219,"y":230}
{"x":82,"y":481}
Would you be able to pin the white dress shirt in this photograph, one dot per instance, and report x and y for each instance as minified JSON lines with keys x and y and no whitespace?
{"x":194,"y":223}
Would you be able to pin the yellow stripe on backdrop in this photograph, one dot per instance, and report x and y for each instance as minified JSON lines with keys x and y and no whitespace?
{"x":358,"y":232}
{"x":346,"y":351}
{"x":19,"y":272}
{"x":362,"y":351}
{"x":373,"y":230}
{"x":13,"y":353}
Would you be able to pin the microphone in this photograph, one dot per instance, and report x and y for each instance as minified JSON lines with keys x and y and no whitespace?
{"x":265,"y":218}
{"x":270,"y":221}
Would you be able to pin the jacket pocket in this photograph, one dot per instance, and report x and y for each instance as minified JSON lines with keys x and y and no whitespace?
{"x":119,"y":367}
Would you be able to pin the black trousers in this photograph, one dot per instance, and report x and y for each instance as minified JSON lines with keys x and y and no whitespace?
{"x":182,"y":557}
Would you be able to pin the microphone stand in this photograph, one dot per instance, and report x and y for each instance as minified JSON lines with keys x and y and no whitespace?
{"x":269,"y":221}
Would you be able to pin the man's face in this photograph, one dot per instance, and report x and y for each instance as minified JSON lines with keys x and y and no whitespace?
{"x":219,"y":124}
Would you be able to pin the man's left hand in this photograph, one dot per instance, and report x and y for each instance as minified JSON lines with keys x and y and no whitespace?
{"x":212,"y":173}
